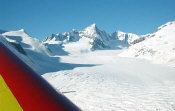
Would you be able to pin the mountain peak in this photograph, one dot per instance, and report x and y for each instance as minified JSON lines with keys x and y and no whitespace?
{"x":91,"y":27}
{"x":73,"y":30}
{"x":90,"y":30}
{"x":21,"y":30}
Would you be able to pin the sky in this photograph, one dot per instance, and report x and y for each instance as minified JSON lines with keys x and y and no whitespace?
{"x":40,"y":18}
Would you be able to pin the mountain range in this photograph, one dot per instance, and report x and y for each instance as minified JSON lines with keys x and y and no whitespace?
{"x":43,"y":56}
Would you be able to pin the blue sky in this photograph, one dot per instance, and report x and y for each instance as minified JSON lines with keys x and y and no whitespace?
{"x":40,"y":18}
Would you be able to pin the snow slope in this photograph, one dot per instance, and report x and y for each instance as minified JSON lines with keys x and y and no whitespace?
{"x":17,"y":50}
{"x":26,"y":41}
{"x":159,"y":46}
{"x":116,"y":83}
{"x":30,"y":50}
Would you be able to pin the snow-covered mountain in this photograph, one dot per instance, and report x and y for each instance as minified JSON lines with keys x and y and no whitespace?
{"x":92,"y":38}
{"x":30,"y":50}
{"x":158,"y":47}
{"x":127,"y":38}
{"x":17,"y":49}
{"x":25,"y":41}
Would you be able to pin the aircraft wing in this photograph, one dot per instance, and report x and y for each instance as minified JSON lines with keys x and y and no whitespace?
{"x":22,"y":89}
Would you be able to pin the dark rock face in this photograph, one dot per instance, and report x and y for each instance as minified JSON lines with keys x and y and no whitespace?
{"x":98,"y":44}
{"x":18,"y":48}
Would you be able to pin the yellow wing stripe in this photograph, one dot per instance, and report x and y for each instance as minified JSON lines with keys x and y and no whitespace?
{"x":7,"y":101}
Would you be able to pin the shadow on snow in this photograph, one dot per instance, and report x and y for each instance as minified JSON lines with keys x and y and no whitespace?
{"x":45,"y":64}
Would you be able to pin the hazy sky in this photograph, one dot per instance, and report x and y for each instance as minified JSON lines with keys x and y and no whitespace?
{"x":40,"y":18}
